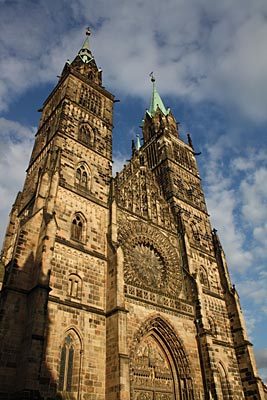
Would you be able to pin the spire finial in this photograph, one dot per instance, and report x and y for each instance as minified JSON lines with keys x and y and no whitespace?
{"x":88,"y":31}
{"x":152,"y":77}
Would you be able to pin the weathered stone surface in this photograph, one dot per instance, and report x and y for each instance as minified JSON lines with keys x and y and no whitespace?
{"x":116,"y":288}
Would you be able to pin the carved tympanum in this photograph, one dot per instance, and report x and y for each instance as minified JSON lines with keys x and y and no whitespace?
{"x":152,"y":376}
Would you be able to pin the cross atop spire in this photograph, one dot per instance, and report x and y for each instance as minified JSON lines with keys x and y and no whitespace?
{"x":156,"y":101}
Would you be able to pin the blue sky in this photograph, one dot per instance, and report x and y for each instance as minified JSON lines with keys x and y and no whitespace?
{"x":210,"y":63}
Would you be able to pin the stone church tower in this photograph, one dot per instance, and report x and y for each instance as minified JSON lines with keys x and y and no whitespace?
{"x":116,"y":288}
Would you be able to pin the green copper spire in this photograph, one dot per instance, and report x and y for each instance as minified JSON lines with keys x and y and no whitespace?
{"x":156,"y":101}
{"x":85,"y":52}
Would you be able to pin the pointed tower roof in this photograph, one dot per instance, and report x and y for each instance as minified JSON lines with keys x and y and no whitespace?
{"x":85,"y":52}
{"x":156,"y":101}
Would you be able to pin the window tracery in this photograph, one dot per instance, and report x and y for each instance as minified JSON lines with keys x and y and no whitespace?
{"x":195,"y":231}
{"x":82,"y":176}
{"x":66,"y":365}
{"x":86,"y":134}
{"x":91,"y":100}
{"x":69,"y":363}
{"x":78,"y":227}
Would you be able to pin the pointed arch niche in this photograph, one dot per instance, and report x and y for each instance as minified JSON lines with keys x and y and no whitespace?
{"x":159,"y":366}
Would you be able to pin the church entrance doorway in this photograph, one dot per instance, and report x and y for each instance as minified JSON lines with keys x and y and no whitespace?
{"x":153,"y":377}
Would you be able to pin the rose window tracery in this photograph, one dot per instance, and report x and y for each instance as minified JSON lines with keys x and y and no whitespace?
{"x":151,"y":262}
{"x":150,"y":265}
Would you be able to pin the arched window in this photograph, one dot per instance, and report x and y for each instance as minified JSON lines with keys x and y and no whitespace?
{"x":69,"y":364}
{"x":83,"y":176}
{"x":66,"y":365}
{"x":203,"y":276}
{"x":195,"y":230}
{"x":74,"y":286}
{"x":78,"y":227}
{"x":224,"y":387}
{"x":86,"y":134}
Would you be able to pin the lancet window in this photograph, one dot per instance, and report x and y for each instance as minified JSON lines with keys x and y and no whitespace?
{"x":78,"y":227}
{"x":66,"y":365}
{"x":86,"y":134}
{"x":82,"y":177}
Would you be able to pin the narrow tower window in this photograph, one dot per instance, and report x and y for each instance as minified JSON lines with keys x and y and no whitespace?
{"x":66,"y":365}
{"x":78,"y":227}
{"x":74,"y":286}
{"x":83,"y":176}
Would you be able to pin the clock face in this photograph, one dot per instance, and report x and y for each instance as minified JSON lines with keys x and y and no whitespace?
{"x":86,"y":59}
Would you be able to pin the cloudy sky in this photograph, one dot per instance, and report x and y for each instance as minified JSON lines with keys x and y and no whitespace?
{"x":210,"y":63}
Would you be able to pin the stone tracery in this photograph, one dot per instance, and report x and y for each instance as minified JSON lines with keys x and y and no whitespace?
{"x":150,"y":260}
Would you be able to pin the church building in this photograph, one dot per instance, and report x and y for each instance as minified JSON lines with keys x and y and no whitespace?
{"x":116,"y":288}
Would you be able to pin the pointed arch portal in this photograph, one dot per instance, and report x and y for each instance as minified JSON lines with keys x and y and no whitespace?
{"x":159,"y":365}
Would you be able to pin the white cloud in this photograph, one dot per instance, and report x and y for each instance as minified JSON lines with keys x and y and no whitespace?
{"x":261,"y":355}
{"x":237,"y":201}
{"x":206,"y":50}
{"x":261,"y":358}
{"x":250,"y":161}
{"x":254,"y":193}
{"x":255,"y":290}
{"x":222,"y":201}
{"x":16,"y":143}
{"x":119,"y":160}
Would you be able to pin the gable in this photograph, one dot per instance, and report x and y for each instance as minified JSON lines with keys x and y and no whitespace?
{"x":137,"y":192}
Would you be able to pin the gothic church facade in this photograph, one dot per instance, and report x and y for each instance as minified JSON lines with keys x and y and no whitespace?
{"x":116,"y":288}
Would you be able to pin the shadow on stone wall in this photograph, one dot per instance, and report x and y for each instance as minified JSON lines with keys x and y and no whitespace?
{"x":24,"y":329}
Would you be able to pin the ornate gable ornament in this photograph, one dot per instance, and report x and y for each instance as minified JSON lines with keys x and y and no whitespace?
{"x":136,"y":191}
